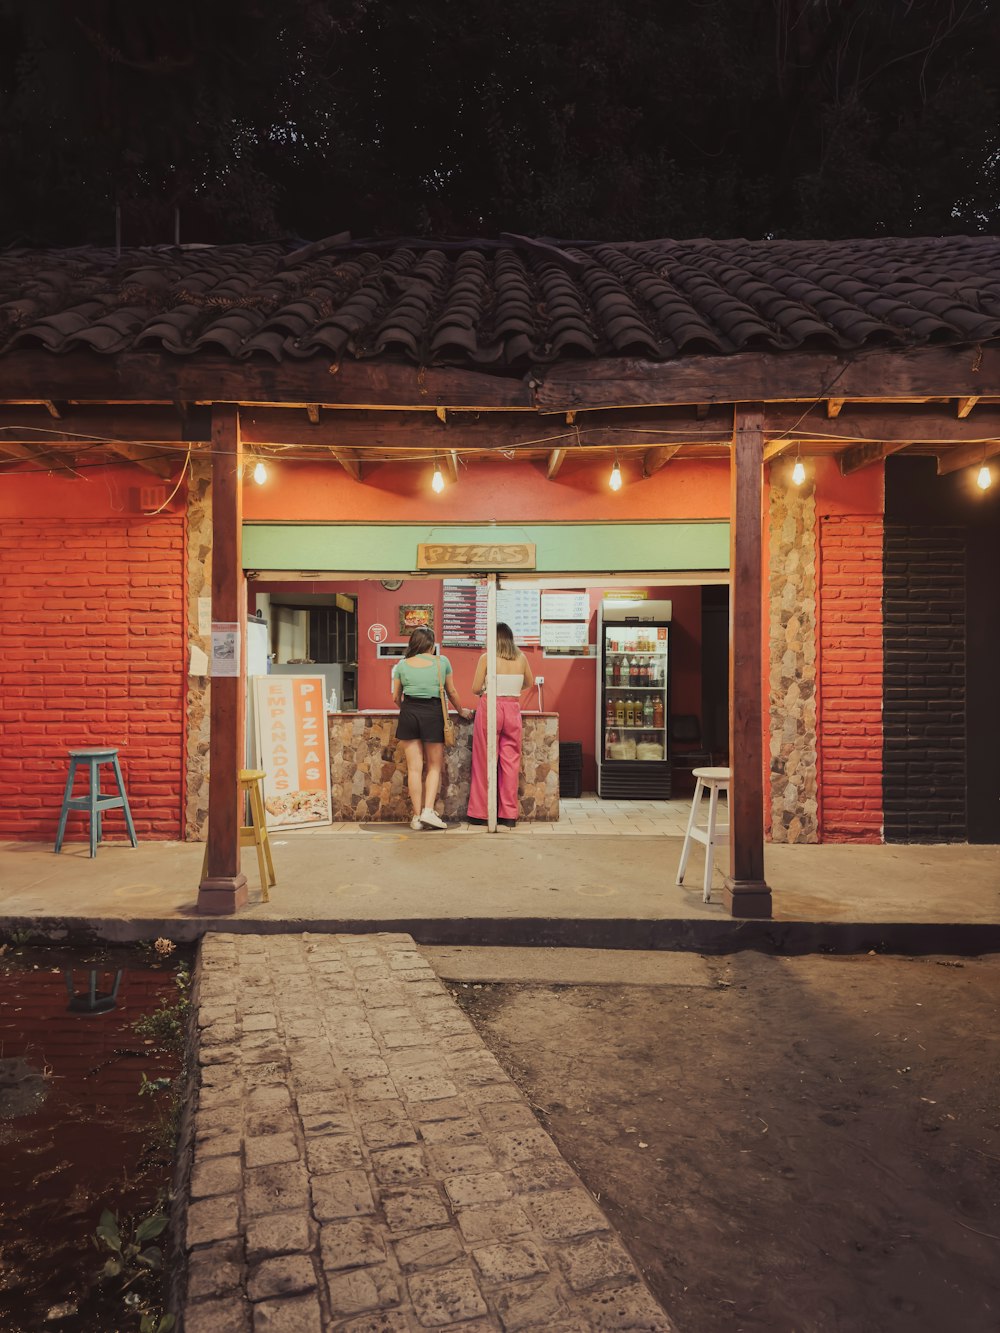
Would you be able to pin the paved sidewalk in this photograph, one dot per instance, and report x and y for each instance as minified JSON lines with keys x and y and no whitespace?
{"x":362,"y":1161}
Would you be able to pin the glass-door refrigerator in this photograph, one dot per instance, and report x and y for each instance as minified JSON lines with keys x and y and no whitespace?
{"x":633,"y":711}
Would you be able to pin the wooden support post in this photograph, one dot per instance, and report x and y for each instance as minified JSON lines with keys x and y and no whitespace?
{"x":746,"y":892}
{"x":224,"y":887}
{"x":491,"y":703}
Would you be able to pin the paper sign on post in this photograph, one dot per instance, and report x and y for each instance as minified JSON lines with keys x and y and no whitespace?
{"x":225,"y":648}
{"x":293,"y":749}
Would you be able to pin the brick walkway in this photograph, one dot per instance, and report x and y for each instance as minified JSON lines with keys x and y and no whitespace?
{"x":362,"y":1162}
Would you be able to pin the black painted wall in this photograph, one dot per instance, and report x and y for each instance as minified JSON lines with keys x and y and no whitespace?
{"x":941,"y":644}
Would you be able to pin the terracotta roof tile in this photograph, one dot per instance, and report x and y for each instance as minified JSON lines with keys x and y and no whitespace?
{"x":503,"y":303}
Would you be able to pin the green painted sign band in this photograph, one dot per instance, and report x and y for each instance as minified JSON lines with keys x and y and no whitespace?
{"x":561,"y":548}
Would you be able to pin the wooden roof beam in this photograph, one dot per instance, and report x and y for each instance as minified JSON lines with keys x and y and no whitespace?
{"x":312,"y":412}
{"x":833,"y":406}
{"x":864,"y":455}
{"x":919,"y":372}
{"x":654,"y":459}
{"x":968,"y":456}
{"x":20,"y":451}
{"x":965,"y":405}
{"x":451,"y":463}
{"x":555,"y":461}
{"x":777,"y":447}
{"x":349,"y":461}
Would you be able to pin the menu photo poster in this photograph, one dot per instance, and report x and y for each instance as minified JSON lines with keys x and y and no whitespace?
{"x":413,"y":616}
{"x":293,"y":749}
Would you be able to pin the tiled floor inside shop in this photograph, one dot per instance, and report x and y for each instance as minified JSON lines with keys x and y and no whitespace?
{"x":589,"y":814}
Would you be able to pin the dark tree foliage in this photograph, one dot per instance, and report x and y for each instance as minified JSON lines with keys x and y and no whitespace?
{"x":576,"y":118}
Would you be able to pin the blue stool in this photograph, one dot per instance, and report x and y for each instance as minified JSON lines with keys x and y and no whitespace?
{"x":94,"y":801}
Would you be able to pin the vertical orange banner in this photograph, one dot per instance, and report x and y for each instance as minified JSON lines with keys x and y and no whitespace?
{"x":293,"y":749}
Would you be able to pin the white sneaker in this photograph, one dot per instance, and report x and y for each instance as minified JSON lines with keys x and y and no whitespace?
{"x":431,"y":819}
{"x":416,"y":825}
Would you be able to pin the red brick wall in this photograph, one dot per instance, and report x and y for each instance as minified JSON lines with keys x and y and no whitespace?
{"x":92,"y":654}
{"x":850,"y":678}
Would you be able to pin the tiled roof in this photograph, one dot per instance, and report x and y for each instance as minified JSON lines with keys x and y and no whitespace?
{"x":503,"y":304}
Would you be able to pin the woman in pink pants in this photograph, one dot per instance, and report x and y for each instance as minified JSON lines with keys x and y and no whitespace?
{"x":514,"y":676}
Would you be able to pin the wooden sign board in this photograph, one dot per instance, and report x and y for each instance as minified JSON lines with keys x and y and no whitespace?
{"x":476,"y":555}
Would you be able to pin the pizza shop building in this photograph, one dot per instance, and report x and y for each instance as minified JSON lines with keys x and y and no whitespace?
{"x":787,"y":444}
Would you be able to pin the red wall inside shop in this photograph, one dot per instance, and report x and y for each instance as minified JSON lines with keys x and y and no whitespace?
{"x":94,"y":647}
{"x":570,"y":683}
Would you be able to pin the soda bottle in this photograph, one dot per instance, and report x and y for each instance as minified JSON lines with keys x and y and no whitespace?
{"x":629,"y":713}
{"x":626,"y":672}
{"x":609,"y":673}
{"x":609,"y":714}
{"x":647,"y":712}
{"x":658,"y":713}
{"x":616,"y":671}
{"x":619,"y":712}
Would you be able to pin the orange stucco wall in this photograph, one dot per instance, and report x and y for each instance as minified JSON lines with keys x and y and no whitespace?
{"x":488,"y":488}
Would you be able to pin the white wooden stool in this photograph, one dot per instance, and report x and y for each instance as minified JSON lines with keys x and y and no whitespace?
{"x":712,"y":835}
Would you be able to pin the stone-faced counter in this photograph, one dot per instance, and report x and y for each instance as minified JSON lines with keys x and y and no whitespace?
{"x":368,"y":770}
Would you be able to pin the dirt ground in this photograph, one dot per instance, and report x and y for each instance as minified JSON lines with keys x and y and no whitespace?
{"x":805,"y":1145}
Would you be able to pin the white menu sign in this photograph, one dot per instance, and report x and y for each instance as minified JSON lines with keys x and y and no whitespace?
{"x":571,"y":634}
{"x":518,"y":608}
{"x":565,"y":606}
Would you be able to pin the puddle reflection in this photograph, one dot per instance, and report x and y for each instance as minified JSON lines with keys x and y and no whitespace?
{"x":75,"y":1134}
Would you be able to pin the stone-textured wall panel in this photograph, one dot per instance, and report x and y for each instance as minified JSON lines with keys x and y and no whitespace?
{"x":199,"y":584}
{"x":792,"y":636}
{"x":368,"y":769}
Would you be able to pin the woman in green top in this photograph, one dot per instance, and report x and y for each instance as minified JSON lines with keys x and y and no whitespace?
{"x":416,"y":688}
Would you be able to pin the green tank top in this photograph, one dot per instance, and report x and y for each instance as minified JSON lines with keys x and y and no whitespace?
{"x":421,"y":682}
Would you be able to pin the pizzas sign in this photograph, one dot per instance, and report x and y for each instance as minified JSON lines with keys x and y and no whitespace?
{"x":293,"y":749}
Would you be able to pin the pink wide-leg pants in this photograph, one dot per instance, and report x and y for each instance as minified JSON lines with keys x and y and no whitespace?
{"x":508,"y":760}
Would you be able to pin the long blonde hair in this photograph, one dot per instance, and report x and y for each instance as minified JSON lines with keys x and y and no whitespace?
{"x":506,"y":647}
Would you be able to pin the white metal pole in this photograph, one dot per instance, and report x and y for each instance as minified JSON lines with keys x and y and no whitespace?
{"x":491,"y":702}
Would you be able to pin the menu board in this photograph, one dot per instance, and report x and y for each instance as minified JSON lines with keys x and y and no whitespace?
{"x":569,"y":634}
{"x":519,"y":608}
{"x":463,"y":613}
{"x":565,"y":606}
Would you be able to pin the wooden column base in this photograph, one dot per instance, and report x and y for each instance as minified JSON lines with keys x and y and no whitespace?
{"x":222,"y":896}
{"x":744,"y":897}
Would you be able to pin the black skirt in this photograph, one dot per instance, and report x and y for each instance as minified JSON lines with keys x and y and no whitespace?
{"x":420,"y":720}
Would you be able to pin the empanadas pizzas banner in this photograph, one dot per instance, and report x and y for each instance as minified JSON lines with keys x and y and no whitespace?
{"x":293,"y":749}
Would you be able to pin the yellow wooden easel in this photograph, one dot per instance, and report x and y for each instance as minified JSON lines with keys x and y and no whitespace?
{"x":254,"y":834}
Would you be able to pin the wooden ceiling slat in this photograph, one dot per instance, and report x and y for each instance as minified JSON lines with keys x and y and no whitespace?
{"x":555,"y":461}
{"x":971,"y":456}
{"x":864,"y":455}
{"x":654,"y":459}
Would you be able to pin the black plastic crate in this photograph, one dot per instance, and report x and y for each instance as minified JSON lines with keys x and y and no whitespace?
{"x":570,"y":756}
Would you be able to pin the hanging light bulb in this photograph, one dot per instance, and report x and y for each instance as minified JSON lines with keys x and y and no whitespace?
{"x":798,"y":472}
{"x":260,"y":473}
{"x":985,"y":478}
{"x":437,"y":481}
{"x":615,"y":480}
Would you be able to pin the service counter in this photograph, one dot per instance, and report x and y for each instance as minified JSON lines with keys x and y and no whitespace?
{"x":368,"y":770}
